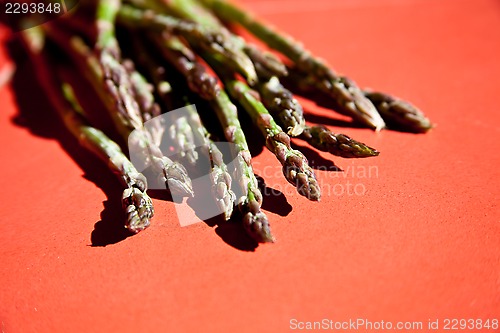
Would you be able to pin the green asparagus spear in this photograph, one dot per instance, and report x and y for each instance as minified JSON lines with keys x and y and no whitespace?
{"x":136,"y":203}
{"x":173,"y":174}
{"x":149,"y":109}
{"x":220,"y":177}
{"x":323,"y":139}
{"x":255,"y":221}
{"x":348,"y":97}
{"x":399,"y":114}
{"x":184,"y":60}
{"x":112,"y":84}
{"x":214,"y":41}
{"x":185,"y":9}
{"x":275,"y":97}
{"x":280,"y":102}
{"x":179,"y":132}
{"x":121,"y":90}
{"x":266,"y":64}
{"x":296,"y":168}
{"x":219,"y":174}
{"x":106,"y":13}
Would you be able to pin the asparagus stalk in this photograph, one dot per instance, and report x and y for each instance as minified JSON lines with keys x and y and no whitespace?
{"x":121,"y":89}
{"x":323,"y":139}
{"x":217,"y":42}
{"x":255,"y":221}
{"x":112,"y":84}
{"x":179,"y":131}
{"x":347,"y":96}
{"x":266,"y":64}
{"x":149,"y":109}
{"x":280,"y":102}
{"x":184,"y":60}
{"x":319,"y":136}
{"x":106,"y":13}
{"x":296,"y":168}
{"x":399,"y":114}
{"x":173,"y":174}
{"x":136,"y":203}
{"x":275,"y":97}
{"x":187,"y":9}
{"x":220,"y":177}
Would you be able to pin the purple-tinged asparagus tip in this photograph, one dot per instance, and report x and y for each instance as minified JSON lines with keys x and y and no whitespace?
{"x":256,"y":223}
{"x":139,"y":209}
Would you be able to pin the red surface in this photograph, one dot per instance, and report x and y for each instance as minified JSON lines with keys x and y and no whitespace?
{"x":422,"y":242}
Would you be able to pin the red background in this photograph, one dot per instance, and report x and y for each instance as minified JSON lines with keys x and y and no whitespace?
{"x":422,"y":243}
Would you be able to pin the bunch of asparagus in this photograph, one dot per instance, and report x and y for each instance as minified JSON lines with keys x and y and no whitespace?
{"x":182,"y":52}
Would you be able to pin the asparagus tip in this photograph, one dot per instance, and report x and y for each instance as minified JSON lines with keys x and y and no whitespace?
{"x":297,"y":129}
{"x":325,"y":140}
{"x":180,"y":188}
{"x":225,"y":199}
{"x":139,"y":208}
{"x":311,"y":191}
{"x":177,"y":180}
{"x":297,"y":171}
{"x":257,"y":226}
{"x":399,"y":114}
